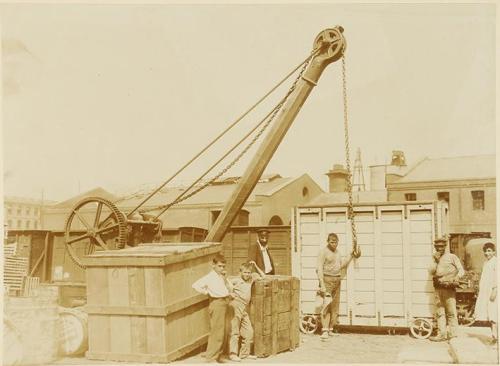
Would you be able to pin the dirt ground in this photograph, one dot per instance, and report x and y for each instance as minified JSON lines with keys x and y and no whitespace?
{"x":345,"y":348}
{"x":348,"y":347}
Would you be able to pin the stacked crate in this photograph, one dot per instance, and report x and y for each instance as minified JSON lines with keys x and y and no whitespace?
{"x":274,"y":313}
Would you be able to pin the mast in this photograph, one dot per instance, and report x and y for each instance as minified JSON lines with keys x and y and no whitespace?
{"x":330,"y":46}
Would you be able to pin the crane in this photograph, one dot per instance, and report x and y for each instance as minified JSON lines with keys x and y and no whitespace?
{"x":102,"y":225}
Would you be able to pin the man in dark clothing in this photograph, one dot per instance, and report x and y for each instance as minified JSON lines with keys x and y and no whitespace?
{"x":259,"y":252}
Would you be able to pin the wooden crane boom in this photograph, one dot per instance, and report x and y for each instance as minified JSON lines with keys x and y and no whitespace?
{"x":329,"y":47}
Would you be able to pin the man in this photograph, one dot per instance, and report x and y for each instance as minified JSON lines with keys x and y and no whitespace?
{"x":330,"y":266}
{"x":446,"y":274}
{"x":259,"y":253}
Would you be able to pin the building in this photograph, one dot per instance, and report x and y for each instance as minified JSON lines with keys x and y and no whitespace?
{"x":54,"y":216}
{"x":270,"y":203}
{"x":467,"y":184}
{"x":21,"y":213}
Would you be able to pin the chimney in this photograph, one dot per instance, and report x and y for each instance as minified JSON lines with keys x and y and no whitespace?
{"x":337,"y":178}
{"x":398,"y":158}
{"x":377,"y":177}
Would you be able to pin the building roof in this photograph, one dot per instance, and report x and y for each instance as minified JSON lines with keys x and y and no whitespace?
{"x":96,"y":192}
{"x":450,"y":169}
{"x":213,"y":194}
{"x":334,"y":198}
{"x":26,"y":200}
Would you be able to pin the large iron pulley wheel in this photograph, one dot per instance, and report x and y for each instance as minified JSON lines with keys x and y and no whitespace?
{"x":94,"y":224}
{"x":421,"y":328}
{"x":333,"y":40}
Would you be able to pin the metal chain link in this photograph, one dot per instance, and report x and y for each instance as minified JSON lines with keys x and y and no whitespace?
{"x":350,"y":204}
{"x":275,"y":111}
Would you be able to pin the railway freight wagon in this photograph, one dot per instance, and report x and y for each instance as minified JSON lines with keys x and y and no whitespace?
{"x":390,"y":284}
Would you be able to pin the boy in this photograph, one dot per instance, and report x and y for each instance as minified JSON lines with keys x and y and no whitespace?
{"x":240,"y":324}
{"x":216,"y":286}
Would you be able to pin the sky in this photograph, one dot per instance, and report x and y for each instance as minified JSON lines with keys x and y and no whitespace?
{"x":121,"y":96}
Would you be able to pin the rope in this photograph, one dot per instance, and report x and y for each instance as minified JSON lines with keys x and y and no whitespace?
{"x":269,"y":117}
{"x":222,"y":134}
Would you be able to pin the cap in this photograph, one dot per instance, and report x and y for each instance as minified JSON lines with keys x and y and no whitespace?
{"x":263,"y":230}
{"x":440,"y":241}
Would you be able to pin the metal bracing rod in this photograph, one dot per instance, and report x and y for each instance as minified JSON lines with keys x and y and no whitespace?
{"x":216,"y":139}
{"x":331,"y":46}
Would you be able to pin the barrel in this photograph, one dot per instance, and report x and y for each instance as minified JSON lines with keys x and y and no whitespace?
{"x":73,"y":331}
{"x":12,"y":344}
{"x":35,"y":319}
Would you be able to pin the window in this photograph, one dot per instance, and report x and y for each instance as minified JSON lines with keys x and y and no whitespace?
{"x":242,"y":219}
{"x":18,"y":224}
{"x":410,"y":196}
{"x":35,"y":211}
{"x":305,"y":192}
{"x":215,"y":214}
{"x":27,"y":224}
{"x":19,"y":211}
{"x":28,"y":211}
{"x":477,"y":200}
{"x":9,"y":224}
{"x":35,"y":225}
{"x":444,"y":196}
{"x":275,"y":220}
{"x":9,"y":210}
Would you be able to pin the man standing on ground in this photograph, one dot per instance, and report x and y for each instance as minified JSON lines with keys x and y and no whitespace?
{"x":446,"y":274}
{"x":329,"y":269}
{"x":259,"y":252}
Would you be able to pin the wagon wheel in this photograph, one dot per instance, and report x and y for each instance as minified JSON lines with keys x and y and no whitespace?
{"x":308,"y":324}
{"x":464,"y":314}
{"x":104,"y":227}
{"x":421,"y":328}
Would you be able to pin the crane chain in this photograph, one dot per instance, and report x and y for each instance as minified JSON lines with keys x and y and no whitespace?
{"x":350,"y":205}
{"x":276,"y":109}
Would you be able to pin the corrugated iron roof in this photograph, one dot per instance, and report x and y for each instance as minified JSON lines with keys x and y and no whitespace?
{"x":213,"y":194}
{"x":96,"y":192}
{"x":455,"y":168}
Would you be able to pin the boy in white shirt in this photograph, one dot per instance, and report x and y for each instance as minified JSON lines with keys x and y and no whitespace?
{"x":217,"y":287}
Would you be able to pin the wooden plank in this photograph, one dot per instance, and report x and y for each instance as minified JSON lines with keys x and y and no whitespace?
{"x":153,"y":286}
{"x":274,"y":318}
{"x":118,"y":289}
{"x":155,"y":330}
{"x":97,"y":286}
{"x":120,"y":332}
{"x":136,"y":286}
{"x":138,"y":334}
{"x":149,"y":310}
{"x":294,"y":314}
{"x":99,"y":333}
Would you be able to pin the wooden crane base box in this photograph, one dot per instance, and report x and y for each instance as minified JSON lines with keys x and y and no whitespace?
{"x":274,"y":313}
{"x":140,"y":304}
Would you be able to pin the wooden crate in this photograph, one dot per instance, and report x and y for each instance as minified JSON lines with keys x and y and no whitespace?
{"x":274,"y":313}
{"x":140,"y":303}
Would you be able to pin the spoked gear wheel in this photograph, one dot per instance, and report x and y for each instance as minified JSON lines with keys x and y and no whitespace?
{"x":421,"y":328}
{"x":104,"y":227}
{"x":309,"y":324}
{"x":465,"y":314}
